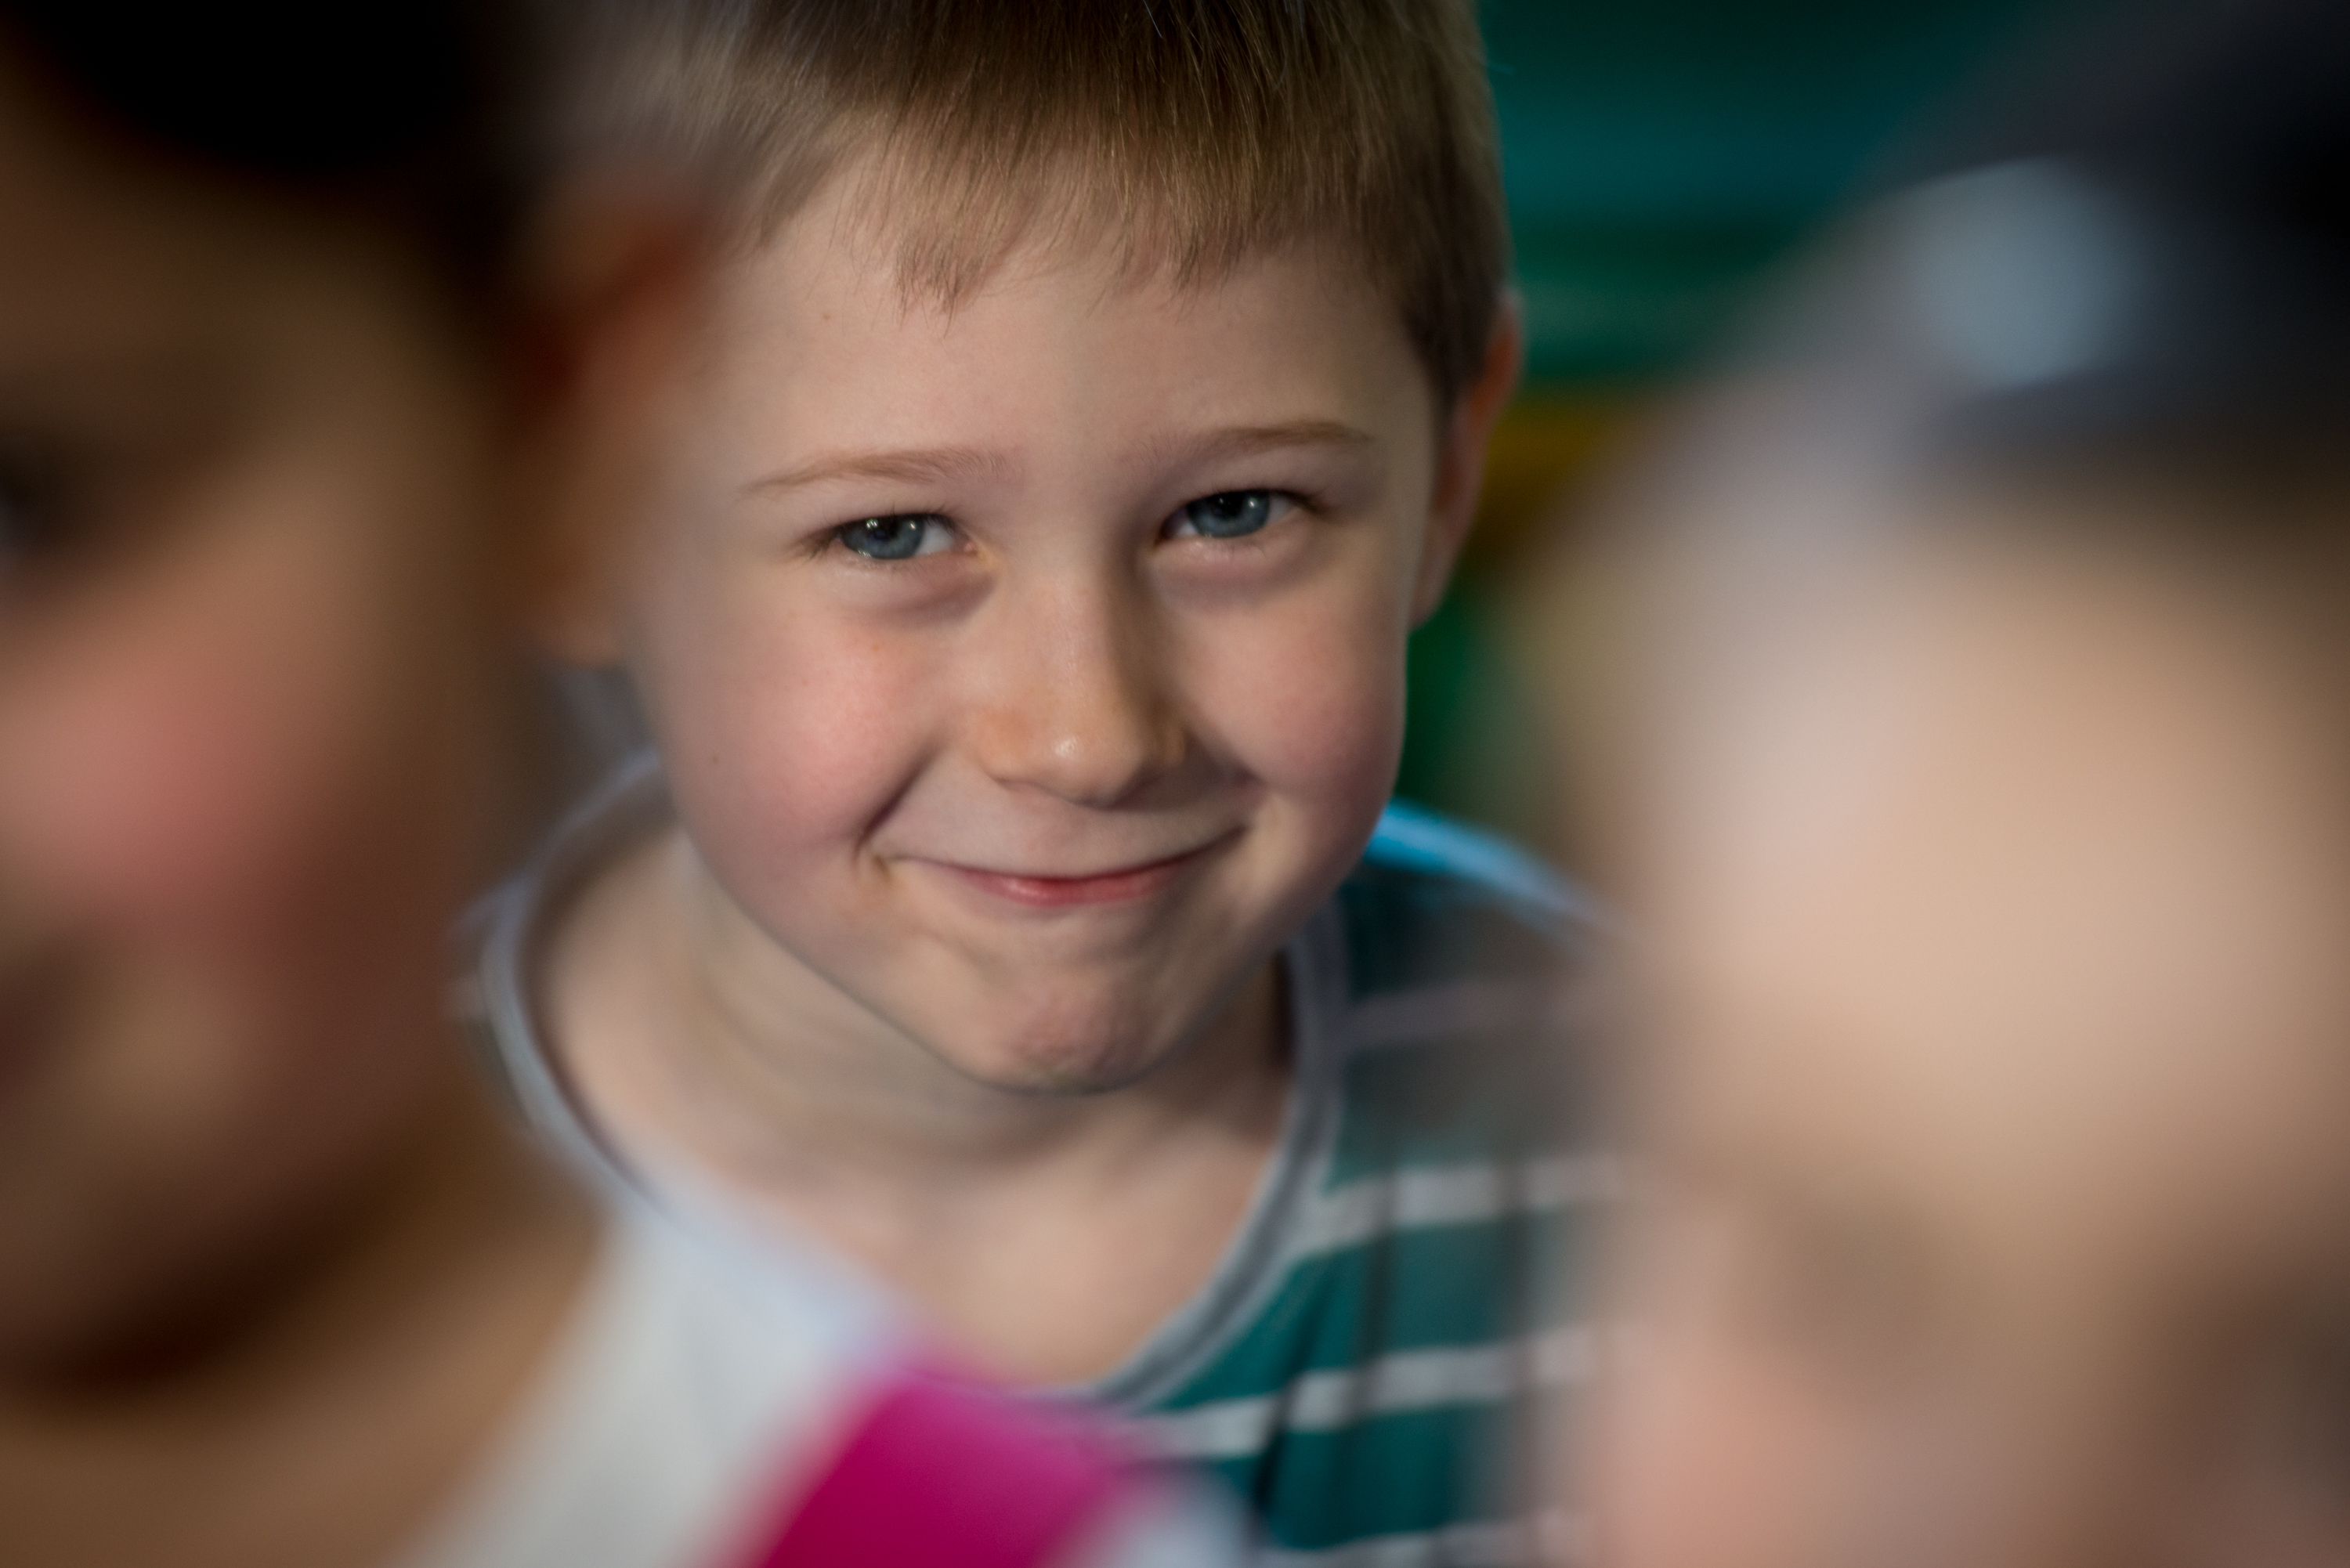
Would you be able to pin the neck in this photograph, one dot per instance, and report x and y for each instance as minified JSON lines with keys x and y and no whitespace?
{"x":1044,"y":1234}
{"x":366,"y":1361}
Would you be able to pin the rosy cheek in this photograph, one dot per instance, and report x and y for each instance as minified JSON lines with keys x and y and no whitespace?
{"x":168,"y":781}
{"x":786,"y":736}
{"x":1331,"y":730}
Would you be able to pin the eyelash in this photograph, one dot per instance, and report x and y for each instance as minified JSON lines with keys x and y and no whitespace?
{"x":839,"y":536}
{"x":1289,"y":501}
{"x":1280,"y":503}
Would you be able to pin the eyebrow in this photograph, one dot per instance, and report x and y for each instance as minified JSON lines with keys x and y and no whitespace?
{"x":913,"y":466}
{"x":1247,"y":440}
{"x":931,"y":465}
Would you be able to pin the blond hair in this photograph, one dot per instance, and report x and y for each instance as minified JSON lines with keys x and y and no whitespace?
{"x":1195,"y":133}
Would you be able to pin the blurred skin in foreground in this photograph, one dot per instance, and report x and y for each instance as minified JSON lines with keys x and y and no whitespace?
{"x":270,"y":1262}
{"x":1999,"y":1121}
{"x":1980,"y":796}
{"x":303,"y":394}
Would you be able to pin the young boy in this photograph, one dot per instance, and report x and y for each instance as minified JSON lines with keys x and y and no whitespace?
{"x":1095,"y":401}
{"x":277,"y":1283}
{"x":1990,"y":836}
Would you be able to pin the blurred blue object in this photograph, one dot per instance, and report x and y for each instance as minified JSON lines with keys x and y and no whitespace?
{"x":1661,"y":155}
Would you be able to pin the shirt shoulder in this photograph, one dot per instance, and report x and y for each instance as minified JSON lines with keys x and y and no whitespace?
{"x":1461,"y":1025}
{"x":502,"y":943}
{"x":1434,"y":903}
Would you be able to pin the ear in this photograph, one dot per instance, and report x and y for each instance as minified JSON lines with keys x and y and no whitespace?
{"x":1460,"y":463}
{"x":612,"y":286}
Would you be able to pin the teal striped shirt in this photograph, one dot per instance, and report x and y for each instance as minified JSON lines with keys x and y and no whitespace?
{"x":1372,"y":1364}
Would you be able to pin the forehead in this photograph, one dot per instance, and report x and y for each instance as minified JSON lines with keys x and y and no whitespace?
{"x":814,"y":330}
{"x":2031,"y":863}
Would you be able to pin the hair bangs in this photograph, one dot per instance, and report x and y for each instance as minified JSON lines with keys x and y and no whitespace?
{"x":1188,"y":134}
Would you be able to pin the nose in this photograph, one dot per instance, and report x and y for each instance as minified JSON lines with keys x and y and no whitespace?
{"x":1075,"y":696}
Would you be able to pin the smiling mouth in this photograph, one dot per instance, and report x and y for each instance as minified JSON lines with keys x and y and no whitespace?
{"x":1127,"y":885}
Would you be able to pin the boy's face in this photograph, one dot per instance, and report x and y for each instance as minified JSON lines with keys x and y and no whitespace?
{"x":1028,"y":671}
{"x":2001,"y":1114}
{"x":242,"y":493}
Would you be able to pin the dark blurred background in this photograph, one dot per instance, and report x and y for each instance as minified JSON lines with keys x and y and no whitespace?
{"x":1663,"y":157}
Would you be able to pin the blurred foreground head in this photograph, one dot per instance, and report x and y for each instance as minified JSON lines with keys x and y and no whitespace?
{"x":263,"y":421}
{"x":1983,"y":795}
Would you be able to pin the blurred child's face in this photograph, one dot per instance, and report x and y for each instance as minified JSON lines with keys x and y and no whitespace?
{"x":1996,"y":925}
{"x":1028,"y":671}
{"x":241,"y":486}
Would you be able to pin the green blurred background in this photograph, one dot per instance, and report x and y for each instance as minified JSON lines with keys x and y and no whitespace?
{"x":1662,"y":156}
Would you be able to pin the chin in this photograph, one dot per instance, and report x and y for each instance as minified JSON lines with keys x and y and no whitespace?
{"x":1029,"y":1054}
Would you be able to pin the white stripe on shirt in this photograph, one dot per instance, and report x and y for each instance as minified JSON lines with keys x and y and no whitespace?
{"x":1422,"y":1197}
{"x":1337,"y":1398}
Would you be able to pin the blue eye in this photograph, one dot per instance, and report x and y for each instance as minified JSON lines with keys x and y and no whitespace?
{"x":900,"y":537}
{"x":1232,"y":514}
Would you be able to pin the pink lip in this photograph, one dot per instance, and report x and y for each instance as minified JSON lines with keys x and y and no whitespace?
{"x":1128,"y":885}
